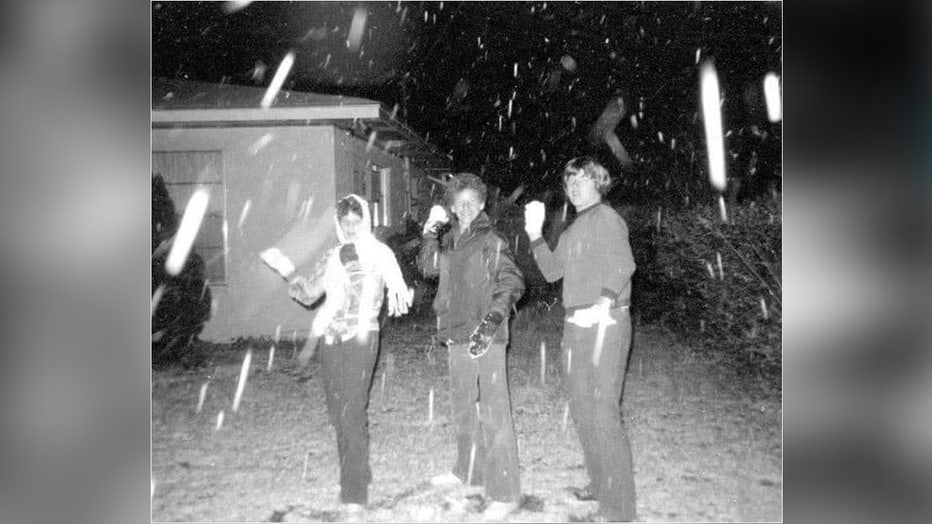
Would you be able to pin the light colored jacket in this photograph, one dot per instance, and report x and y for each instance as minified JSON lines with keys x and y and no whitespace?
{"x":355,"y":291}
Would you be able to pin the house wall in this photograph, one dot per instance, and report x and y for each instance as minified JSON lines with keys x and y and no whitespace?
{"x":280,"y":192}
{"x":355,"y":175}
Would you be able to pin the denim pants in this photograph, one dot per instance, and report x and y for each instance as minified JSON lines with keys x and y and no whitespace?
{"x":595,"y":402}
{"x":347,"y":369}
{"x":482,"y":412}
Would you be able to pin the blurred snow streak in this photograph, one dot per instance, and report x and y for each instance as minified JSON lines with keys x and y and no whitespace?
{"x":187,"y":231}
{"x":712,"y":118}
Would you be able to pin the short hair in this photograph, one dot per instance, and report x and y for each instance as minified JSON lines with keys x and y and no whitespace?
{"x":462,"y":181}
{"x":348,"y":205}
{"x":588,"y":167}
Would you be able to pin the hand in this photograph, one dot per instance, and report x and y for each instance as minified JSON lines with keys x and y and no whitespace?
{"x":304,"y":290}
{"x":481,"y":337}
{"x":322,"y":321}
{"x":438,"y":215}
{"x":590,"y":316}
{"x":399,"y":301}
{"x":534,"y":213}
{"x":282,"y":265}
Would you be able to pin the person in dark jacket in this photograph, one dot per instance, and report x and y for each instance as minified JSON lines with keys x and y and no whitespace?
{"x":479,"y":285}
{"x":594,"y":259}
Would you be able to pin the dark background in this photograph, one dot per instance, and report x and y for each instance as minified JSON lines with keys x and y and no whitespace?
{"x":449,"y":67}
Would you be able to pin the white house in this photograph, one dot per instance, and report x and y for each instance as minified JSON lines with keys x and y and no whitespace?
{"x":273,"y":177}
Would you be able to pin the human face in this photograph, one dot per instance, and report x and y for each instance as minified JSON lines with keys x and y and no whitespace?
{"x":581,"y":191}
{"x":351,"y":224}
{"x":466,"y":206}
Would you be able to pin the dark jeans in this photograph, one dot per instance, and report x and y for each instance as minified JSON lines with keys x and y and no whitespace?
{"x":595,"y":403}
{"x":347,"y":369}
{"x":482,"y":410}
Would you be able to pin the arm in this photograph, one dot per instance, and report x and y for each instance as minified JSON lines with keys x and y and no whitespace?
{"x":615,"y":255}
{"x":428,"y":258}
{"x":308,"y":290}
{"x":549,"y":262}
{"x":551,"y":266}
{"x":509,"y":282}
{"x":399,"y":298}
{"x":509,"y":286}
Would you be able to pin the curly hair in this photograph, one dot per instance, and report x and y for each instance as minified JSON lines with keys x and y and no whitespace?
{"x":462,"y":181}
{"x":588,"y":167}
{"x":348,"y":205}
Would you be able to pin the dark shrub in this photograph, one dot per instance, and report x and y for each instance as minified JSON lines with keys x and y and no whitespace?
{"x":736,"y":310}
{"x":184,"y":300}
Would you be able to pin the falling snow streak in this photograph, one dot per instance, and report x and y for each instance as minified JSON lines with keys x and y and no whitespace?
{"x":280,"y":74}
{"x":243,"y":214}
{"x":235,"y":5}
{"x":712,"y":118}
{"x":472,"y":457}
{"x":772,"y":97}
{"x":543,"y":362}
{"x":202,"y":395}
{"x":156,"y":298}
{"x":357,"y":29}
{"x":260,"y":144}
{"x":187,"y":231}
{"x":430,"y":407}
{"x":604,"y":321}
{"x":241,"y":383}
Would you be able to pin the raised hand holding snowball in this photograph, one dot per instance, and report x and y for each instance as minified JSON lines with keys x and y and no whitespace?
{"x":438,"y":215}
{"x":534,"y":218}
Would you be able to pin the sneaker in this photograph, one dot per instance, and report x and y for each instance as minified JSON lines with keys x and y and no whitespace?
{"x":583,"y":494}
{"x":497,"y":511}
{"x":352,"y":509}
{"x":446,"y":480}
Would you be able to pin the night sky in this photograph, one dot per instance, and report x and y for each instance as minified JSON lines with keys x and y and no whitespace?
{"x":511,"y":90}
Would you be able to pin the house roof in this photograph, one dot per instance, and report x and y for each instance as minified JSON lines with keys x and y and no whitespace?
{"x":185,"y":103}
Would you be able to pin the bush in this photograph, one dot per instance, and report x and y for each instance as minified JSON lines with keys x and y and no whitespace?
{"x":679,"y":283}
{"x":184,"y":299}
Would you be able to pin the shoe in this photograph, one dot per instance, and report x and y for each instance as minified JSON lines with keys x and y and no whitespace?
{"x":584,"y":494}
{"x":497,"y":511}
{"x":352,"y":509}
{"x":589,"y":517}
{"x":446,"y":480}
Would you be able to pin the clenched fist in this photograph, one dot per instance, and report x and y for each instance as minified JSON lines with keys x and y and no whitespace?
{"x":534,"y":218}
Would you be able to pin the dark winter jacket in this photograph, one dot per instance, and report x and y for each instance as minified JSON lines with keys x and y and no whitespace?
{"x":477,"y":274}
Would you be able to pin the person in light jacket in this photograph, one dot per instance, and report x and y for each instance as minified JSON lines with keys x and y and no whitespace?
{"x":355,"y":277}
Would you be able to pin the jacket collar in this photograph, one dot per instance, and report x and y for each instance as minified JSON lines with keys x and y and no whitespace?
{"x":479,"y":225}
